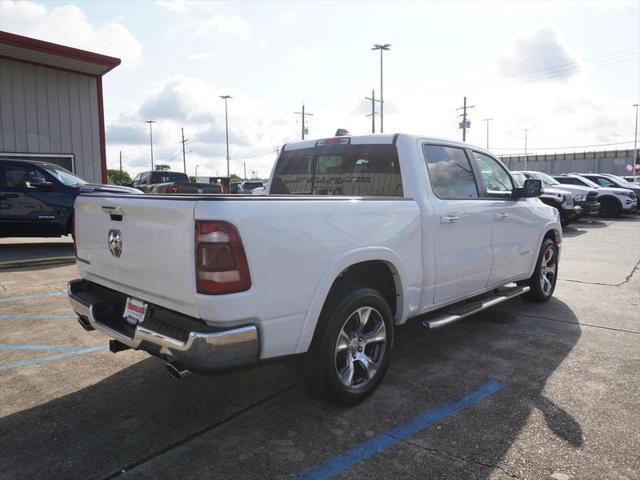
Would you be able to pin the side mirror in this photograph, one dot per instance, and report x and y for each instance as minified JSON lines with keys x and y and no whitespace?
{"x":39,"y":184}
{"x":532,"y":188}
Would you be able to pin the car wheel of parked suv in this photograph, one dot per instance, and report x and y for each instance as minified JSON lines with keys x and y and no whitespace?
{"x":609,"y":208}
{"x":543,"y":281}
{"x":352,"y":347}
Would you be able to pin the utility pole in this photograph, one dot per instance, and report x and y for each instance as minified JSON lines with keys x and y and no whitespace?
{"x":151,"y":122}
{"x":120,"y":165}
{"x":635,"y":147}
{"x":487,"y":120}
{"x":245,"y":169}
{"x":382,"y":48}
{"x":303,"y":114}
{"x":226,"y":125}
{"x":526,"y":131}
{"x":373,"y":100}
{"x":184,"y":154}
{"x":197,"y":172}
{"x":465,"y":123}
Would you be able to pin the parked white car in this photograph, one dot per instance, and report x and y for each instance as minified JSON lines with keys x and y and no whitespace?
{"x":358,"y":234}
{"x":613,"y":201}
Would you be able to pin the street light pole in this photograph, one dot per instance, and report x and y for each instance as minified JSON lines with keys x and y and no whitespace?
{"x":526,"y":130}
{"x":487,"y":120}
{"x":151,"y":122}
{"x":197,"y":172}
{"x":226,"y":124}
{"x":635,"y":147}
{"x":381,"y":47}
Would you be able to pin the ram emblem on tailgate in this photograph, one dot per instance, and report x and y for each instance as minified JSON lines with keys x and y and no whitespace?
{"x":115,"y":242}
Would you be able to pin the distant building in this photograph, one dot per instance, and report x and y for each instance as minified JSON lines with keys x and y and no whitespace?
{"x":51,"y":104}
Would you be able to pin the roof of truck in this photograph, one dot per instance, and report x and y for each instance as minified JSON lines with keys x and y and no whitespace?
{"x":378,"y":138}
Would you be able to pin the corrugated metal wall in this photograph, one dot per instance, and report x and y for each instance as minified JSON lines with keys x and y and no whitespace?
{"x":43,"y":110}
{"x":618,"y":162}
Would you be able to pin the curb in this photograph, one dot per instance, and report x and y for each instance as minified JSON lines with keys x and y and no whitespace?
{"x":37,"y":262}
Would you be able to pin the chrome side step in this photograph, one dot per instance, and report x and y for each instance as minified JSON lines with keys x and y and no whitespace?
{"x":460,"y":311}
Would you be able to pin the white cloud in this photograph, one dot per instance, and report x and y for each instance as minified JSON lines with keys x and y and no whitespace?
{"x":68,"y":25}
{"x":200,"y":56}
{"x":223,"y":26}
{"x":289,"y":18}
{"x":540,"y":56}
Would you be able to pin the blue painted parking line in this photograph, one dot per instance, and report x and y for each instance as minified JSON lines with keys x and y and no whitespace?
{"x":51,"y":358}
{"x":377,"y":444}
{"x":30,"y":297}
{"x":28,"y":346}
{"x":37,"y":317}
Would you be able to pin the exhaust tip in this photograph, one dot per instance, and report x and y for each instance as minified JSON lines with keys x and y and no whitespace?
{"x":177,"y":370}
{"x":82,"y":320}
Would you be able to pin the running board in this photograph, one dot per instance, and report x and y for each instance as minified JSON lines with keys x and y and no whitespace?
{"x":458,"y":312}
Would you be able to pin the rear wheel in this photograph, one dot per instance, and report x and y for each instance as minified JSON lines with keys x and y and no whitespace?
{"x":352,"y":348}
{"x":609,"y":208}
{"x":543,"y":281}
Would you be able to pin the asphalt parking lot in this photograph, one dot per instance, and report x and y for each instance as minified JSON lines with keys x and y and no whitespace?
{"x":524,"y":391}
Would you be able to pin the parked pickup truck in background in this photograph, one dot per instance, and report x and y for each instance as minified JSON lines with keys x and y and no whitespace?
{"x":357,"y":234}
{"x":36,"y":198}
{"x":158,"y":181}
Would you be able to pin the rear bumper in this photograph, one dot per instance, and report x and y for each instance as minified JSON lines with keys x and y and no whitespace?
{"x":196,"y":350}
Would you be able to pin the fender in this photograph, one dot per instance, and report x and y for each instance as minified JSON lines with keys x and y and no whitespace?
{"x":608,"y":196}
{"x":549,"y":227}
{"x":331,"y":273}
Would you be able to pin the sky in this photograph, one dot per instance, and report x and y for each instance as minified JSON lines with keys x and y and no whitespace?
{"x":568,"y":72}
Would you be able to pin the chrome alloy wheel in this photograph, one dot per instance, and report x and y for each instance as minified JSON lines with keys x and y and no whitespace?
{"x":548,"y":269}
{"x":360,"y":347}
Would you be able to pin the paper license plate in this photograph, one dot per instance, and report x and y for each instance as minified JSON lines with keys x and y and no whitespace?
{"x":134,"y":311}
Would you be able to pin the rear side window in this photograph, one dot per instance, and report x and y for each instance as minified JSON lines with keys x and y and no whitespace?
{"x":450,"y":172}
{"x":352,"y":170}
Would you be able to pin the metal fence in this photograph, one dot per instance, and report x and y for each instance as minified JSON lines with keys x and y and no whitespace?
{"x":618,"y":162}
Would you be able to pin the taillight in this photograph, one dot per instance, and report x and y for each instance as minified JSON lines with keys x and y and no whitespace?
{"x":221,"y":264}
{"x":174,"y":188}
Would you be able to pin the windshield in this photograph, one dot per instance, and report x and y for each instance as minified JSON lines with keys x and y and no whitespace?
{"x":618,"y":179}
{"x":547,"y":181}
{"x":65,"y":176}
{"x":519,"y":178}
{"x":589,"y":182}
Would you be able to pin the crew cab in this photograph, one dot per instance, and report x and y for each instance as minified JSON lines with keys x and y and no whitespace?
{"x":36,"y":198}
{"x":162,"y":181}
{"x":357,"y":235}
{"x":613,"y":201}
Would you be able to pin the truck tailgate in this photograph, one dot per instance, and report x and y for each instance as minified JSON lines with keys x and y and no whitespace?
{"x":156,"y":262}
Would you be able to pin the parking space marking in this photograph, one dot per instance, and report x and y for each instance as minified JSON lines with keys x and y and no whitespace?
{"x":377,"y":444}
{"x":57,"y":293}
{"x":36,"y":317}
{"x":50,"y":358}
{"x":28,"y":346}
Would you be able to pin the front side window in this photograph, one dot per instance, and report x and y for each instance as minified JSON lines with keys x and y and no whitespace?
{"x":450,"y":172}
{"x":350,"y":170}
{"x":23,"y":176}
{"x":495,"y":178}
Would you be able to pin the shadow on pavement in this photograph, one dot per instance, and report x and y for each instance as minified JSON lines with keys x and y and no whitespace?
{"x":141,"y":413}
{"x":11,"y":252}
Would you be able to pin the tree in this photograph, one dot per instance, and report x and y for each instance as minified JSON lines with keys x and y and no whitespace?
{"x":163,"y":167}
{"x":114,"y":177}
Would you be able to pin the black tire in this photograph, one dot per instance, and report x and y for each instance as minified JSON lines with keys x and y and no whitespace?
{"x":319,"y":366}
{"x":540,"y":291}
{"x":609,"y":208}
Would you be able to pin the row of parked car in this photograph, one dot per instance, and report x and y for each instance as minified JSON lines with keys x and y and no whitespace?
{"x":576,"y":195}
{"x":36,"y":198}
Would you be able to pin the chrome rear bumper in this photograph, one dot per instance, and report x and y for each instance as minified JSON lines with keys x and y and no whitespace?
{"x":200,"y":351}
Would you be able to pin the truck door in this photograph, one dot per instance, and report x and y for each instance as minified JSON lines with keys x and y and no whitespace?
{"x":516,"y":227}
{"x":461,"y":224}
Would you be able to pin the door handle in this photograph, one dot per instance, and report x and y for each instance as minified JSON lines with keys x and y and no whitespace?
{"x":449,"y":219}
{"x":501,"y":215}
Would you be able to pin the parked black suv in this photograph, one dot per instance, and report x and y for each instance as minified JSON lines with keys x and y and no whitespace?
{"x":36,"y":198}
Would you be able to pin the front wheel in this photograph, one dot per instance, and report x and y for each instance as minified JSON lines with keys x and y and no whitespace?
{"x":352,"y":349}
{"x":543,"y":281}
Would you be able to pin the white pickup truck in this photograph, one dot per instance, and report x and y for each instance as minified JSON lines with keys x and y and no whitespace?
{"x":356,"y":235}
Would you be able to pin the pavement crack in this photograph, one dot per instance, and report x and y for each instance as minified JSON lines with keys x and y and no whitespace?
{"x":627,"y":279}
{"x":455,"y":457}
{"x":197,"y":433}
